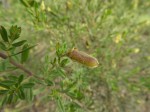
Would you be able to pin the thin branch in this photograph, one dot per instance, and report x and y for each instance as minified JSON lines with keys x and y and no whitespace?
{"x":20,"y":66}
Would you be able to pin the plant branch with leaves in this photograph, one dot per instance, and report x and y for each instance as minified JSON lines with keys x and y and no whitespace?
{"x":12,"y":87}
{"x":9,"y":45}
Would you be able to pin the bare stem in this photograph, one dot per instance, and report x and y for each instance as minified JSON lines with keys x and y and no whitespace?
{"x":20,"y":66}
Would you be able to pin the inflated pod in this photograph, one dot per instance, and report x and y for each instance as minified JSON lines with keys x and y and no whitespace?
{"x":83,"y":58}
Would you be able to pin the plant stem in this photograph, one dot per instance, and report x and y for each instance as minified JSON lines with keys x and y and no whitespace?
{"x":20,"y":66}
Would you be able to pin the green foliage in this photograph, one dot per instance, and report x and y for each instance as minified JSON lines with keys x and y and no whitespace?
{"x":36,"y":12}
{"x":25,"y":53}
{"x":14,"y":32}
{"x":114,"y":31}
{"x":20,"y":43}
{"x":13,"y":88}
{"x":4,"y":34}
{"x":10,"y":45}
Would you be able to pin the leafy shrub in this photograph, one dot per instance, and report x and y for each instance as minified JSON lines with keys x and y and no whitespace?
{"x":42,"y":74}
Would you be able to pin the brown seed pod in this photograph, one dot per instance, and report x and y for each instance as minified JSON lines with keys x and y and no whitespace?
{"x":83,"y":58}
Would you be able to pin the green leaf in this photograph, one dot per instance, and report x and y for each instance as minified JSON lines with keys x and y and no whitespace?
{"x":8,"y":82}
{"x":32,"y":2}
{"x":13,"y":78}
{"x":64,"y":62}
{"x":57,"y":47}
{"x":60,"y":105}
{"x":71,"y":94}
{"x":2,"y":92}
{"x":79,"y":95}
{"x":25,"y":3}
{"x":20,"y":43}
{"x":75,"y":95}
{"x":10,"y":98}
{"x":4,"y":85}
{"x":20,"y":79}
{"x":48,"y":82}
{"x":14,"y":32}
{"x":11,"y":48}
{"x":3,"y":33}
{"x":29,"y":94}
{"x":21,"y":94}
{"x":24,"y":50}
{"x":2,"y":46}
{"x":145,"y":82}
{"x":4,"y":100}
{"x":61,"y":49}
{"x":25,"y":54}
{"x":36,"y":5}
{"x":29,"y":3}
{"x":27,"y":85}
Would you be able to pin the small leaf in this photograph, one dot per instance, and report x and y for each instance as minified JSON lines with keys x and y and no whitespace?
{"x":13,"y":78}
{"x":48,"y":82}
{"x":64,"y":62}
{"x":11,"y":48}
{"x":2,"y":46}
{"x":21,"y":94}
{"x":3,"y":33}
{"x":36,"y":5}
{"x":25,"y":54}
{"x":60,"y":105}
{"x":24,"y":50}
{"x":2,"y":92}
{"x":8,"y":82}
{"x":27,"y":85}
{"x":20,"y":79}
{"x":20,"y":43}
{"x":145,"y":82}
{"x":14,"y":32}
{"x":79,"y":95}
{"x":4,"y":85}
{"x":72,"y":95}
{"x":10,"y":98}
{"x":32,"y":2}
{"x":24,"y":3}
{"x":57,"y":46}
{"x":29,"y":94}
{"x":4,"y":100}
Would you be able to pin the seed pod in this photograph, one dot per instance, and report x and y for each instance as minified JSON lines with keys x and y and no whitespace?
{"x":83,"y":58}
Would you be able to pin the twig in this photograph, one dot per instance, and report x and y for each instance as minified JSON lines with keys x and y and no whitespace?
{"x":20,"y":66}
